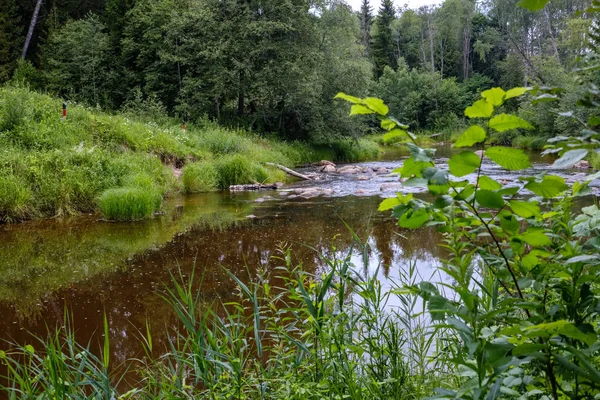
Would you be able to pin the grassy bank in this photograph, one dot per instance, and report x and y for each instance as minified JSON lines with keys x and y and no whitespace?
{"x":92,"y":160}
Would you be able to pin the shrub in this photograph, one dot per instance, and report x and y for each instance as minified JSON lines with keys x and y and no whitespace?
{"x":129,"y":204}
{"x":200,"y":177}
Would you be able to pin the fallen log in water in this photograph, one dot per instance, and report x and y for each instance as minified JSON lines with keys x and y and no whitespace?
{"x":291,"y":172}
{"x":255,"y":186}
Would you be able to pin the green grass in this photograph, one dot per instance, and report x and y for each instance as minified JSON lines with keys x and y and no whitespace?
{"x":238,"y":169}
{"x":129,"y":204}
{"x":200,"y":177}
{"x":63,"y":167}
{"x":529,"y":142}
{"x":14,"y":197}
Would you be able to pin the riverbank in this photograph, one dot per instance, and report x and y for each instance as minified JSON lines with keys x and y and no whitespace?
{"x":125,"y":165}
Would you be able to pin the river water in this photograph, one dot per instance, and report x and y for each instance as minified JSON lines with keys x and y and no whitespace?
{"x":91,"y":268}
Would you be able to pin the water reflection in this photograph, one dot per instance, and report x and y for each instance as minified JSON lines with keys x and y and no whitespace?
{"x":89,"y":279}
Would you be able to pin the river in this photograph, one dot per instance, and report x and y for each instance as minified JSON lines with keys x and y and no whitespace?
{"x":91,"y":268}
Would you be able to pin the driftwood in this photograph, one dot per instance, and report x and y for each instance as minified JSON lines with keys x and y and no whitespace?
{"x":291,"y":172}
{"x":254,"y":186}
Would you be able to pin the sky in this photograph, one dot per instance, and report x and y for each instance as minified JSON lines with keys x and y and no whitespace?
{"x":399,"y":3}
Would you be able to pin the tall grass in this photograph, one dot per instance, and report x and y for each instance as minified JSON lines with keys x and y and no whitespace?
{"x":58,"y":367}
{"x":129,"y":204}
{"x":200,"y":177}
{"x":291,"y":334}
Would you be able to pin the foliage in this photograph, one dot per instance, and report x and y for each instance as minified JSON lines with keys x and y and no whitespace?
{"x":519,"y":314}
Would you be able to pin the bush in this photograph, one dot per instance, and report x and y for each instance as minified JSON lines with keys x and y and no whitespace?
{"x":200,"y":177}
{"x":129,"y":204}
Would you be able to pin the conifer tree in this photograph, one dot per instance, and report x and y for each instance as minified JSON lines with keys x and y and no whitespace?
{"x":366,"y":20}
{"x":383,"y":49}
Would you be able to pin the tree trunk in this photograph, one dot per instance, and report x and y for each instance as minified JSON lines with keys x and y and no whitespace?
{"x":32,"y":25}
{"x":551,"y":32}
{"x":431,"y":48}
{"x":241,"y":98}
{"x":466,"y":50}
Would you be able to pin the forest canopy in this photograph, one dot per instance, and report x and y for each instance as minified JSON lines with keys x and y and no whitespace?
{"x":274,"y":66}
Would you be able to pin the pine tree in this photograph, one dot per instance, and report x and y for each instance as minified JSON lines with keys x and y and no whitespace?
{"x":366,"y":20}
{"x":383,"y":49}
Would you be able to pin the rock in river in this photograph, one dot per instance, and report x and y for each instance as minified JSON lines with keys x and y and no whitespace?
{"x":327,"y":169}
{"x":349,"y":170}
{"x":389,"y":187}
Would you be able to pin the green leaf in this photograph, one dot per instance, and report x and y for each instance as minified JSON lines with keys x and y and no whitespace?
{"x":528,"y":348}
{"x":388,"y":204}
{"x":569,"y":158}
{"x":413,"y":219}
{"x":489,"y":199}
{"x":465,"y":193}
{"x":530,"y":261}
{"x":515,"y":92}
{"x":494,"y":96}
{"x":359,"y":109}
{"x":535,"y":237}
{"x":393,"y":134}
{"x":464,"y":163}
{"x":376,"y":105}
{"x":480,"y":109}
{"x":562,"y":327}
{"x":544,"y":98}
{"x":435,"y":176}
{"x":550,"y":186}
{"x":351,"y":99}
{"x":390,"y":123}
{"x":474,"y":134}
{"x":525,"y":209}
{"x":582,"y":258}
{"x":436,"y":190}
{"x":420,"y":154}
{"x":487,"y":183}
{"x":412,"y":168}
{"x":510,"y":224}
{"x":509,"y":158}
{"x":533,"y":5}
{"x":505,"y":122}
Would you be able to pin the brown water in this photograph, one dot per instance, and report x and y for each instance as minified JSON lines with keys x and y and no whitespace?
{"x":92,"y":268}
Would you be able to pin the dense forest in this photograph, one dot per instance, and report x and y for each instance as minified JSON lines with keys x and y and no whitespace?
{"x":275,"y":66}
